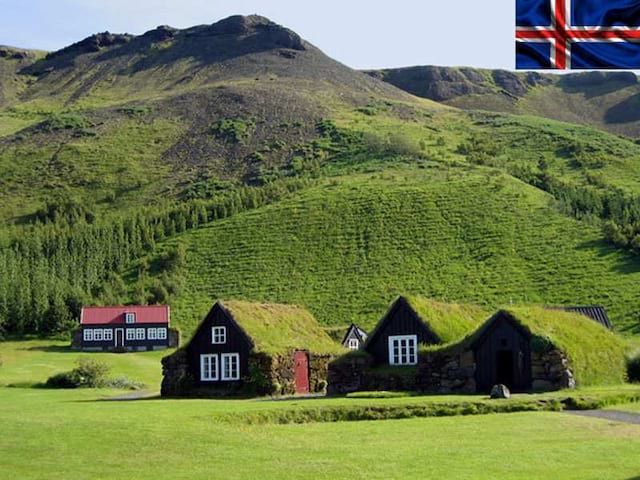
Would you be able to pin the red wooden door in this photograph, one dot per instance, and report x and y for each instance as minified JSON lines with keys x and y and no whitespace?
{"x":301,"y":361}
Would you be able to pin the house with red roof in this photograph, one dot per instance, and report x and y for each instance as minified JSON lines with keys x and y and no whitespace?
{"x":125,"y":328}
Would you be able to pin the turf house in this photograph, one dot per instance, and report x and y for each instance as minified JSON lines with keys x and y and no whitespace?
{"x":388,"y":360}
{"x":125,"y":328}
{"x":525,"y":348}
{"x":354,"y":338}
{"x":243,"y":349}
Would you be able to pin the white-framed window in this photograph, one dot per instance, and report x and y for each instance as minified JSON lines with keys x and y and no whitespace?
{"x":129,"y":317}
{"x":230,"y":366}
{"x":140,"y":334}
{"x":152,"y":334}
{"x":87,"y":335}
{"x":353,"y":344}
{"x":162,"y":333}
{"x":209,"y":368}
{"x":108,"y":334}
{"x":131,"y":333}
{"x":97,"y":334}
{"x":218,"y":335}
{"x":403,"y":350}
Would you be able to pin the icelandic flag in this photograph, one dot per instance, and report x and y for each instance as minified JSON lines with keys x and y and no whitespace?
{"x":577,"y":34}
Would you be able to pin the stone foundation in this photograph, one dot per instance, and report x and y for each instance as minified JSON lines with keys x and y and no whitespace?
{"x":551,"y":371}
{"x":439,"y":372}
{"x":268,"y":375}
{"x":356,"y":372}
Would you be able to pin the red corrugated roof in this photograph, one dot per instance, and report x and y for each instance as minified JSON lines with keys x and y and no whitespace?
{"x":116,"y":315}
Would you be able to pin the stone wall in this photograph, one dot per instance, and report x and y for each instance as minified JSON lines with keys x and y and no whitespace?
{"x":454,"y":372}
{"x":176,"y":380}
{"x":267,"y":375}
{"x":174,"y":338}
{"x":346,"y":374}
{"x":355,"y":372}
{"x":446,"y":372}
{"x":440,"y":372}
{"x":551,"y":371}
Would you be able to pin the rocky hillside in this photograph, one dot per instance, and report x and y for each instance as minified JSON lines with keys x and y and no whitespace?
{"x":607,"y":100}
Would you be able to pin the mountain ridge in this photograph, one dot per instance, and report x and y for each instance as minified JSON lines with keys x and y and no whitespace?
{"x":606,"y":100}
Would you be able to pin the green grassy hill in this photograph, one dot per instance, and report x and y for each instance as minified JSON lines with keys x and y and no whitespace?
{"x":608,"y":101}
{"x":115,"y":149}
{"x":346,"y":248}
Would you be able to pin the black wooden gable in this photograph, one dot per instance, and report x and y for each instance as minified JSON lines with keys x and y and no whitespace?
{"x":502,"y":354}
{"x":237,"y":340}
{"x":354,"y":332}
{"x":401,"y":319}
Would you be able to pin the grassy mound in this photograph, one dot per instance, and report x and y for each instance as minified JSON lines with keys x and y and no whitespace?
{"x":596,"y":354}
{"x":449,"y":321}
{"x":277,"y":328}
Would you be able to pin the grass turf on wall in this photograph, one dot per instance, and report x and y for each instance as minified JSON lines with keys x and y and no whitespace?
{"x":449,"y":321}
{"x":597,"y":355}
{"x":281,"y":328}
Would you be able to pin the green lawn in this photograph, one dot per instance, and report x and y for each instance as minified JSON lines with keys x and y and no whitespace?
{"x":36,"y":360}
{"x":69,"y":434}
{"x":77,"y":437}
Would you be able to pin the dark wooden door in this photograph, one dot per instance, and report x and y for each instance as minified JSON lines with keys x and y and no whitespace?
{"x":119,"y":337}
{"x":301,"y":361}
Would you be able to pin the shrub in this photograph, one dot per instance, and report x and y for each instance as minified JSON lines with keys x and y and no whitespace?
{"x":633,"y":368}
{"x":136,"y":110}
{"x":234,"y":131}
{"x":88,"y":374}
{"x":70,"y":121}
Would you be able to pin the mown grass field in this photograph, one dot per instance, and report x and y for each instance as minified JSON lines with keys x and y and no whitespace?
{"x":71,"y":434}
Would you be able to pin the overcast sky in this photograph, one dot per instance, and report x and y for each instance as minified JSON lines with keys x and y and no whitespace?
{"x":360,"y":33}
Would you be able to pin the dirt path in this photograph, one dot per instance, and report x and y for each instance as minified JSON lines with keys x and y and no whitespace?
{"x":139,"y":395}
{"x":615,"y":415}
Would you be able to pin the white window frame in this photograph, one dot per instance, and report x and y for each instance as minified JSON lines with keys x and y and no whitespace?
{"x":162,"y":333}
{"x":97,"y":335}
{"x":130,"y":317}
{"x":353,"y":344}
{"x":408,"y":350}
{"x":207,"y":371}
{"x":218,"y":335}
{"x":152,"y":334}
{"x":131,"y":334}
{"x":140,"y":333}
{"x":87,"y":335}
{"x":228,"y":359}
{"x":107,"y":335}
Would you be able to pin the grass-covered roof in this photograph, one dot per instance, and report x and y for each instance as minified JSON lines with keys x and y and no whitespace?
{"x":275,"y":328}
{"x":597,"y":355}
{"x":449,"y":321}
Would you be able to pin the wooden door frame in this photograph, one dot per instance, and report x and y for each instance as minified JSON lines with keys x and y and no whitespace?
{"x":295,"y":371}
{"x":115,"y":337}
